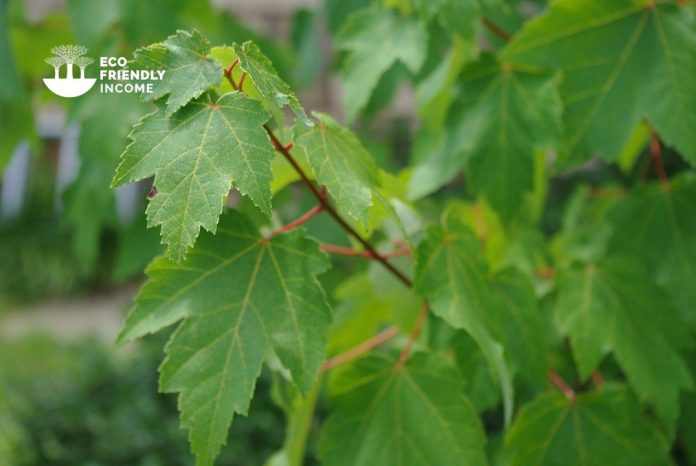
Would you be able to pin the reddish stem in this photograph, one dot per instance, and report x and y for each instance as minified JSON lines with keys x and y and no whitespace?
{"x":497,"y":30}
{"x":332,"y":211}
{"x":241,"y":82}
{"x":404,"y":250}
{"x":299,"y":221}
{"x":414,"y":335}
{"x":546,"y":272}
{"x":362,"y":348}
{"x":658,"y":162}
{"x":597,"y":379}
{"x":228,"y":73}
{"x":561,"y":384}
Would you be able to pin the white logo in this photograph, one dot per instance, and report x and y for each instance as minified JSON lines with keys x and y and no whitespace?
{"x":69,"y":86}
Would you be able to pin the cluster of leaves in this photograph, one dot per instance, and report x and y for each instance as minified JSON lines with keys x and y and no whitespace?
{"x":92,"y":215}
{"x":596,"y":300}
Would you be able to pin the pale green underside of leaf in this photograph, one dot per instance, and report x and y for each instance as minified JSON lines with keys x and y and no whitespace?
{"x":188,"y":70}
{"x":599,"y":428}
{"x":615,"y":307}
{"x":376,"y":40}
{"x":505,"y":114}
{"x":196,"y":156}
{"x":416,"y":415}
{"x":240,"y":296}
{"x":652,"y":215}
{"x":451,"y":275}
{"x":341,"y":163}
{"x":622,"y":62}
{"x":267,"y":81}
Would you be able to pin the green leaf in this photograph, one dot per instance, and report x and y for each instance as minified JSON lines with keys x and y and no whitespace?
{"x":658,"y":226}
{"x":451,"y":273}
{"x":416,"y":414}
{"x":506,"y":113}
{"x":522,"y":331}
{"x":615,"y":307}
{"x":267,"y":81}
{"x":603,"y":427}
{"x":196,"y":156}
{"x":240,"y":296}
{"x":623,"y":61}
{"x":341,"y":163}
{"x":376,"y":40}
{"x":189,"y":71}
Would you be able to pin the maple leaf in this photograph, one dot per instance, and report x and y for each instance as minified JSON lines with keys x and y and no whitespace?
{"x":412,"y":415}
{"x":239,"y":296}
{"x":188,"y":70}
{"x":196,"y":156}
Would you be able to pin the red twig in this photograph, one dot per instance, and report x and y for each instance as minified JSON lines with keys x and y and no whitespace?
{"x":300,"y":220}
{"x":658,"y":162}
{"x":404,"y":250}
{"x":561,"y":384}
{"x":332,"y":211}
{"x":362,"y":348}
{"x":497,"y":30}
{"x":546,"y":272}
{"x":228,"y":73}
{"x":241,"y":82}
{"x":414,"y":335}
{"x":597,"y":379}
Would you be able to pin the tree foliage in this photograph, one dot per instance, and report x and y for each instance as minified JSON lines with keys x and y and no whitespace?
{"x":518,"y":291}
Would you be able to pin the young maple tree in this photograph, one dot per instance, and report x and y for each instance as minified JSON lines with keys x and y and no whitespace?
{"x":525,"y":347}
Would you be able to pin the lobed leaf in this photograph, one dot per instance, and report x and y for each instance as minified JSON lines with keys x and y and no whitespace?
{"x":239,"y":296}
{"x":266,"y":79}
{"x":341,"y":163}
{"x":615,"y":307}
{"x":505,"y":113}
{"x":451,"y":275}
{"x":603,"y":427}
{"x":622,"y":61}
{"x":415,"y":414}
{"x":189,"y":71}
{"x":196,"y":156}
{"x":375,"y":41}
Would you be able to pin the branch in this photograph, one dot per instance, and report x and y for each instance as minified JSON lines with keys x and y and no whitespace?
{"x":404,"y":250}
{"x":561,"y":384}
{"x":497,"y":30}
{"x":597,"y":379}
{"x":314,"y":211}
{"x":361,"y":348}
{"x":285,"y":150}
{"x":658,"y":162}
{"x":332,"y":211}
{"x":370,"y":251}
{"x":414,"y":335}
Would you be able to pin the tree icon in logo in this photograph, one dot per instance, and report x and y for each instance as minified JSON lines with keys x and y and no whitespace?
{"x":69,"y":86}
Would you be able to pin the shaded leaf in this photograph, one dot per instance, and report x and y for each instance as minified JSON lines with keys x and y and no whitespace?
{"x":658,"y":226}
{"x":603,"y":427}
{"x":615,"y":307}
{"x":376,"y":40}
{"x":417,"y":414}
{"x":451,"y":273}
{"x":623,"y":61}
